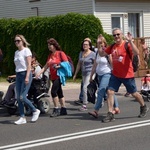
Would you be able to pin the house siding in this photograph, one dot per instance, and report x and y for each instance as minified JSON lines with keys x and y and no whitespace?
{"x":104,"y":10}
{"x":23,"y":8}
{"x":146,"y":20}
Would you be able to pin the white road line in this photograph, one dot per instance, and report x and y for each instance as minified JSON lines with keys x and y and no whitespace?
{"x":77,"y":135}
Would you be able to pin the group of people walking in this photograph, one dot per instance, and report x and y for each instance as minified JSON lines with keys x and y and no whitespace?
{"x":25,"y":63}
{"x":111,"y":65}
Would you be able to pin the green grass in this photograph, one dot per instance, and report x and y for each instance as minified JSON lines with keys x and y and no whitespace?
{"x":3,"y":79}
{"x":76,"y":81}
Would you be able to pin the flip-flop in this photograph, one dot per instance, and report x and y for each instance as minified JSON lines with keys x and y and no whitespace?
{"x":116,"y":111}
{"x":94,"y":114}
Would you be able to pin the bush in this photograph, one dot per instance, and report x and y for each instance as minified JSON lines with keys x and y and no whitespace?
{"x":69,"y":30}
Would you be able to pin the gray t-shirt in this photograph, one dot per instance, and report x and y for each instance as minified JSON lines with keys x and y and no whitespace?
{"x":87,"y":63}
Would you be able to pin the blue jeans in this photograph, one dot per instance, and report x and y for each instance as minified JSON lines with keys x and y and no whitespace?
{"x":103,"y":84}
{"x":22,"y":90}
{"x":81,"y":92}
{"x":116,"y":82}
{"x":86,"y":82}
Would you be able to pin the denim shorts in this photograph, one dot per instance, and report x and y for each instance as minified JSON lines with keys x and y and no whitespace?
{"x":115,"y":83}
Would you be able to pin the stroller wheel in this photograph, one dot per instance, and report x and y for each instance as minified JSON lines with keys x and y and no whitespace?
{"x":27,"y":110}
{"x":12,"y":110}
{"x":44,"y":105}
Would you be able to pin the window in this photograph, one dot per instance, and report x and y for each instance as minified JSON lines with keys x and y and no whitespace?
{"x":117,"y":21}
{"x":134,"y":24}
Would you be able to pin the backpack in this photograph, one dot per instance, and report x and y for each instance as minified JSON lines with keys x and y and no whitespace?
{"x":70,"y":62}
{"x":135,"y":59}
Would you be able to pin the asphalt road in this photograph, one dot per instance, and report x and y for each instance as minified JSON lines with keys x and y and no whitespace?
{"x":78,"y":130}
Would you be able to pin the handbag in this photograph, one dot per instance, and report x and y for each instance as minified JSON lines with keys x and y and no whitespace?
{"x":91,"y":90}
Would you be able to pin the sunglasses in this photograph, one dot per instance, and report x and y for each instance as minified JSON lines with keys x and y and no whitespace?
{"x":17,"y":41}
{"x":85,"y":44}
{"x":118,"y":34}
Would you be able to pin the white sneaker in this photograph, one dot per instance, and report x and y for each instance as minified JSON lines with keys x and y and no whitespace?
{"x":21,"y":121}
{"x":35,"y":115}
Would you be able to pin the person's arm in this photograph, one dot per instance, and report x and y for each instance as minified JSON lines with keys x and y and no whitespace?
{"x":42,"y":70}
{"x":77,"y":69}
{"x":93,"y":70}
{"x":101,"y":51}
{"x":12,"y":76}
{"x":135,"y":50}
{"x":28,"y":69}
{"x":37,"y":70}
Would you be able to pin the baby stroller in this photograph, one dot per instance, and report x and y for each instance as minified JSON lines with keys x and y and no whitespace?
{"x":145,"y":92}
{"x":38,"y":94}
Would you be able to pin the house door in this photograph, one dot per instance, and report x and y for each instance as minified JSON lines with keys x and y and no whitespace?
{"x":117,"y":21}
{"x":134,"y":24}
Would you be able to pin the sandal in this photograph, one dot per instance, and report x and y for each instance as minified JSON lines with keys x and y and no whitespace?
{"x":94,"y":114}
{"x":116,"y":111}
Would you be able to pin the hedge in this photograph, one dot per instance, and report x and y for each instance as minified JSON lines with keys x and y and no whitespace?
{"x":69,"y":30}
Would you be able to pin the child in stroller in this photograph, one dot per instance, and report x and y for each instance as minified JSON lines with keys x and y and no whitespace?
{"x":145,"y":87}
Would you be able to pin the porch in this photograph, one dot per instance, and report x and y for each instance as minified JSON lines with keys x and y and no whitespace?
{"x":143,"y":67}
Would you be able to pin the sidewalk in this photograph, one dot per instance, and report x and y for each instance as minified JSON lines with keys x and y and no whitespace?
{"x":73,"y":85}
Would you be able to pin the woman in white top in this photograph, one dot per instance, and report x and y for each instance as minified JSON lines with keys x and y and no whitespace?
{"x":102,"y":67}
{"x":22,"y":60}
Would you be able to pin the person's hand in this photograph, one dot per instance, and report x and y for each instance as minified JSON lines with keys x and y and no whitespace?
{"x":58,"y":66}
{"x":129,"y":37}
{"x":26,"y":80}
{"x":37,"y":75}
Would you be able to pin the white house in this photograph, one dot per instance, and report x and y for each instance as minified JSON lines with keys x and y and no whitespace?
{"x":132,"y":16}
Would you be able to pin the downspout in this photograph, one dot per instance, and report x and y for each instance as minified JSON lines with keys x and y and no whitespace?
{"x":37,"y":10}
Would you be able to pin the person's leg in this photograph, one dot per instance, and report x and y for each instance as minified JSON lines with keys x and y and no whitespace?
{"x":86,"y":82}
{"x":23,"y":96}
{"x":81,"y":92}
{"x":105,"y":96}
{"x":114,"y":84}
{"x":24,"y":92}
{"x":116,"y":106}
{"x":80,"y":101}
{"x":54,"y":94}
{"x":131,"y":88}
{"x":19,"y":89}
{"x":10,"y":92}
{"x":19,"y":81}
{"x":63,"y":110}
{"x":110,"y":100}
{"x":103,"y":83}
